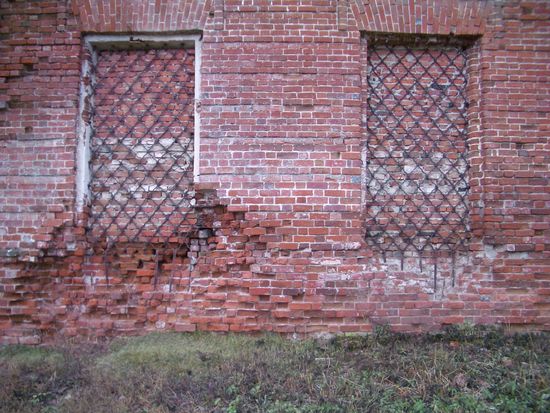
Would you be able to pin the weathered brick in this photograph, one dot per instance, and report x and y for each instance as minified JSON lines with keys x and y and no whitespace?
{"x":278,"y":241}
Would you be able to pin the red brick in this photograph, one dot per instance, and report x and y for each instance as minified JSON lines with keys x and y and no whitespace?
{"x":281,"y":198}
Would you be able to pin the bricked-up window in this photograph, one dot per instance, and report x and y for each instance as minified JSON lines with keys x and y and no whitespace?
{"x":142,"y":142}
{"x":417,"y":154}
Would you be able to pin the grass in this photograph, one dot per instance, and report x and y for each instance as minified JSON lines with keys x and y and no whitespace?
{"x":464,"y":369}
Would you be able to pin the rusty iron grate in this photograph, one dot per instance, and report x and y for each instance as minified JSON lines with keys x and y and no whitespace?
{"x":141,"y":185}
{"x":417,"y":167}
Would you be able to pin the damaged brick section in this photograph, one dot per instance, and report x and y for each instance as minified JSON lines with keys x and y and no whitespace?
{"x":275,"y":239}
{"x":130,"y":288}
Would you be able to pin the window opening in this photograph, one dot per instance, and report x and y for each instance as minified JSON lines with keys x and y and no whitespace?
{"x":417,"y":152}
{"x":139,"y":138}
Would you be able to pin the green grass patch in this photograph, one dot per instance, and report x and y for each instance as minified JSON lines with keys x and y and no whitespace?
{"x":465,"y":369}
{"x":25,"y":357}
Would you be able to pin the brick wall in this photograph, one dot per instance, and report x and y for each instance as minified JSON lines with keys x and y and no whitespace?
{"x":277,"y":240}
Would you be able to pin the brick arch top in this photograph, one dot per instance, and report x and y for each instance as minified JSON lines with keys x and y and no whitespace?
{"x":144,"y":16}
{"x":461,"y":17}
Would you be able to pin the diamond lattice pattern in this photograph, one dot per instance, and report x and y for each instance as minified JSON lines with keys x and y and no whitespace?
{"x":417,"y":149}
{"x":142,"y":145}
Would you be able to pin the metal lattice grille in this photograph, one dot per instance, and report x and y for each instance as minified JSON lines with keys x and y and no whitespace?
{"x":417,"y":153}
{"x":142,"y":145}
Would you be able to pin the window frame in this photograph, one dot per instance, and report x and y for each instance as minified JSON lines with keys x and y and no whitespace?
{"x":96,"y":42}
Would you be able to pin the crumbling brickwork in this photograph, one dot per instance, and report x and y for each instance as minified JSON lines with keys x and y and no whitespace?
{"x":277,"y":237}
